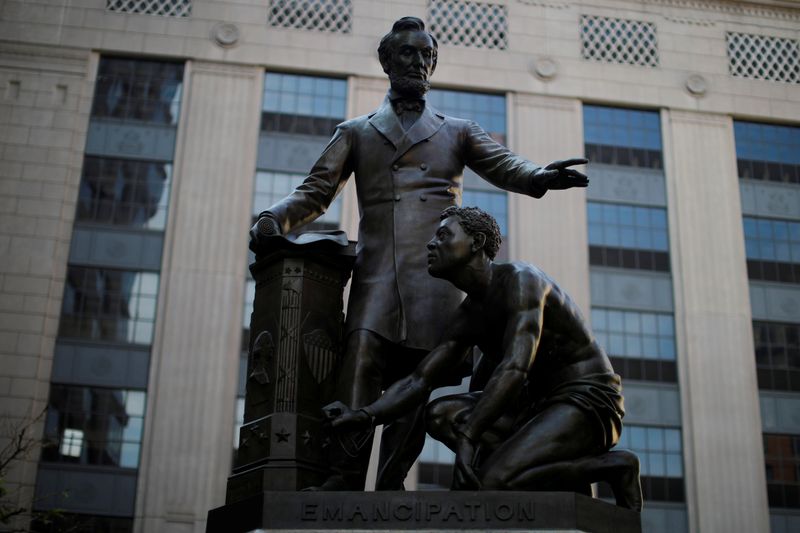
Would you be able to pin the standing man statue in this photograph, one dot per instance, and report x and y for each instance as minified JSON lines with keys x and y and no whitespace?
{"x":546,"y":405}
{"x":408,"y":160}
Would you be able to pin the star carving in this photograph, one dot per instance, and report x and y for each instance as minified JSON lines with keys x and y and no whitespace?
{"x":283,"y":435}
{"x":306,"y":438}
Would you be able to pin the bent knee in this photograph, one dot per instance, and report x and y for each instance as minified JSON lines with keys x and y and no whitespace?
{"x":437,"y":417}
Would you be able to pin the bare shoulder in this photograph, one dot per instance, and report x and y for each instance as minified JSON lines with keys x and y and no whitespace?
{"x":521,"y":281}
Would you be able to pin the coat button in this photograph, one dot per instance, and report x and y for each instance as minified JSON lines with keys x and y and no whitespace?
{"x":423,"y":198}
{"x":396,"y":197}
{"x":395,"y":167}
{"x":423,"y":166}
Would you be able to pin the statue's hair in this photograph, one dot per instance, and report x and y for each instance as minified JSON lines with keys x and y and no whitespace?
{"x":386,"y":45}
{"x":474,"y":221}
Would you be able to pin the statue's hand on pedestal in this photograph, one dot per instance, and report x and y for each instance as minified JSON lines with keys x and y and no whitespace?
{"x":341,"y":418}
{"x":264,"y":227}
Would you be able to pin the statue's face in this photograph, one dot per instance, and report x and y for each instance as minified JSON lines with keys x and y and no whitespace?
{"x":411,"y":63}
{"x":449,"y":249}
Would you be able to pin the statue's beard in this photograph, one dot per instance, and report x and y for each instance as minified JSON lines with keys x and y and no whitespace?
{"x":409,"y":87}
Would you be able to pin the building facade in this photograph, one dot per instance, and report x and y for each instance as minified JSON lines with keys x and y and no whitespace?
{"x":138,"y":138}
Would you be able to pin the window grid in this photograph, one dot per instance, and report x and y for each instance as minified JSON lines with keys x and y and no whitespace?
{"x":767,"y":152}
{"x":635,"y":333}
{"x":94,"y":426}
{"x":772,"y":240}
{"x":782,"y":464}
{"x":472,"y":24}
{"x":306,"y":105}
{"x":488,"y":110}
{"x":138,"y":90}
{"x":659,"y":449}
{"x":627,"y":226}
{"x":320,"y":15}
{"x":109,"y":304}
{"x":613,"y":40}
{"x":625,"y":137}
{"x":763,"y":57}
{"x":614,"y":126}
{"x":124,"y":192}
{"x":777,"y":351}
{"x":165,"y":8}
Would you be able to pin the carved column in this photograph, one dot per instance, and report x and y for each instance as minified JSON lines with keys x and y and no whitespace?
{"x":295,"y":349}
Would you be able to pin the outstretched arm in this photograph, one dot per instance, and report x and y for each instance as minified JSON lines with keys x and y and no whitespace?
{"x":500,"y":166}
{"x":404,"y":394}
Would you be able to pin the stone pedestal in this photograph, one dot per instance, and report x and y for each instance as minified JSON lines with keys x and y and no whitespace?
{"x":423,"y":511}
{"x":295,"y":351}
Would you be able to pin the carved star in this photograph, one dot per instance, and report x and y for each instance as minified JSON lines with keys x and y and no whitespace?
{"x":297,"y":270}
{"x":306,"y":438}
{"x":288,"y":270}
{"x":283,"y":435}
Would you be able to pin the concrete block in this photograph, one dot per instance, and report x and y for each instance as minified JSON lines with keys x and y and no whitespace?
{"x":20,"y":322}
{"x":14,"y":134}
{"x":22,"y":387}
{"x":38,"y":207}
{"x":44,"y":172}
{"x":32,"y":117}
{"x":25,"y":284}
{"x":8,"y":342}
{"x":51,"y":137}
{"x":31,"y":154}
{"x":28,"y":344}
{"x":35,"y":304}
{"x":10,"y":169}
{"x":11,"y":302}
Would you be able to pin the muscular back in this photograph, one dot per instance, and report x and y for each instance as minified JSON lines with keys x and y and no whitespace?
{"x":566,"y":349}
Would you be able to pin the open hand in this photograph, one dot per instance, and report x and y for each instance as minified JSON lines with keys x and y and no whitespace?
{"x":557,"y":175}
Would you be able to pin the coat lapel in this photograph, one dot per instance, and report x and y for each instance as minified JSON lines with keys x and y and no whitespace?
{"x":428,"y":123}
{"x":386,"y":122}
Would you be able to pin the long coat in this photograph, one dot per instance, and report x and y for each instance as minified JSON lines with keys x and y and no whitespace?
{"x":404,"y":180}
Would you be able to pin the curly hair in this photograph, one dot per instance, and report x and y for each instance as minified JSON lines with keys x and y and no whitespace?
{"x":474,"y":221}
{"x":386,"y":45}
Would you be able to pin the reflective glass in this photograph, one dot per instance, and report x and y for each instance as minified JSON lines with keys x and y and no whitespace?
{"x":619,"y":225}
{"x":109,"y":304}
{"x":659,"y":449}
{"x":123,"y":192}
{"x":635,"y":333}
{"x":772,"y":240}
{"x":614,"y":126}
{"x":94,"y":426}
{"x":138,"y":90}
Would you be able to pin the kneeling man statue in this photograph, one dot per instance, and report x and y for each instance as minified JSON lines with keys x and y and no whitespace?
{"x":546,"y":406}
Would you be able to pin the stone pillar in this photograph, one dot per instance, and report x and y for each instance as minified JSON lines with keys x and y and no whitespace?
{"x":188,"y":435}
{"x":44,"y":114}
{"x":550,"y":232}
{"x":295,"y":353}
{"x":724,"y":459}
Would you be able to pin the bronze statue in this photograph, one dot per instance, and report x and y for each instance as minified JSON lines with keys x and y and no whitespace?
{"x":546,"y":405}
{"x":408,"y":160}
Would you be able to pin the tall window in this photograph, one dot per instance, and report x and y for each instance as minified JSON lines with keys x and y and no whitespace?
{"x":768,"y":163}
{"x":98,"y":393}
{"x":632,"y":317}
